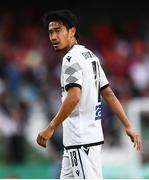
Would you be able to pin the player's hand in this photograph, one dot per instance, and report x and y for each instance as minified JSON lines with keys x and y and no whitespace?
{"x":44,"y":136}
{"x":135,"y":138}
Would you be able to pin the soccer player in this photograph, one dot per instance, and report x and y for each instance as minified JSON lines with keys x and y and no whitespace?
{"x":82,"y":81}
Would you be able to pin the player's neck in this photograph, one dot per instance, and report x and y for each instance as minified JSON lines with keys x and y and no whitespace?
{"x":71,"y":46}
{"x":74,"y":42}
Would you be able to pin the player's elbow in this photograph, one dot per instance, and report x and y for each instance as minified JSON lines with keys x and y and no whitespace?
{"x":107,"y":93}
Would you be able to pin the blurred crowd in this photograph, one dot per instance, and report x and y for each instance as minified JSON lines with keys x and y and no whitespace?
{"x":30,"y":71}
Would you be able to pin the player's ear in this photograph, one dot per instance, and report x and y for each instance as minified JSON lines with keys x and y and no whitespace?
{"x":73,"y":31}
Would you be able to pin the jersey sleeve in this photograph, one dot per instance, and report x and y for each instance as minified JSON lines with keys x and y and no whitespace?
{"x":103,"y":79}
{"x":72,"y":72}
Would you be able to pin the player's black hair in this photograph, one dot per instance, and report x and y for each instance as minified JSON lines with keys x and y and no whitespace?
{"x":65,"y":16}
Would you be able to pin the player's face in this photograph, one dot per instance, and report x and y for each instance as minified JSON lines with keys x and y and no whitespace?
{"x":60,"y":36}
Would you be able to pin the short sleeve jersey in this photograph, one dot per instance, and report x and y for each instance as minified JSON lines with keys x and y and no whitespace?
{"x":81,"y":68}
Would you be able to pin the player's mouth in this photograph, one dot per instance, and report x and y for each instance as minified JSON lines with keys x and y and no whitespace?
{"x":55,"y":45}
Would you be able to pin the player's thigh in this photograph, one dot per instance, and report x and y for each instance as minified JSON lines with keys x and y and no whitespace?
{"x":86,"y":162}
{"x":76,"y":163}
{"x":91,"y":161}
{"x":66,"y":171}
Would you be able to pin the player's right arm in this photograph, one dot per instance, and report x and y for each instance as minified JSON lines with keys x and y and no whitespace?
{"x":68,"y":105}
{"x":72,"y":83}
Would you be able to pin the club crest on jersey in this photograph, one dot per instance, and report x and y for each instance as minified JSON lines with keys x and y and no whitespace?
{"x":68,"y":58}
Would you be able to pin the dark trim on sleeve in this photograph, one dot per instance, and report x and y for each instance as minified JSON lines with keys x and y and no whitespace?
{"x":105,"y":86}
{"x":68,"y":86}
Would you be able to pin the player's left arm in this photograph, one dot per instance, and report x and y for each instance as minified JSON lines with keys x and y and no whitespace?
{"x":117,"y":108}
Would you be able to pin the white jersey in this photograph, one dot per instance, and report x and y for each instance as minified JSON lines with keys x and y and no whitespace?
{"x":81,"y":68}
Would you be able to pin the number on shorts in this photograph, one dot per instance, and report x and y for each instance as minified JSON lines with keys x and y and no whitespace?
{"x":74,"y":161}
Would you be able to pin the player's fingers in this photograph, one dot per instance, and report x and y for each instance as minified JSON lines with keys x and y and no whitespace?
{"x":139,"y":144}
{"x":41,"y":141}
{"x":44,"y":142}
{"x":132,"y":139}
{"x":135,"y":141}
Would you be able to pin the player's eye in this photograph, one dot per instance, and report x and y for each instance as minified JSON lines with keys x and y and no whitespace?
{"x":50,"y":32}
{"x":58,"y":30}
